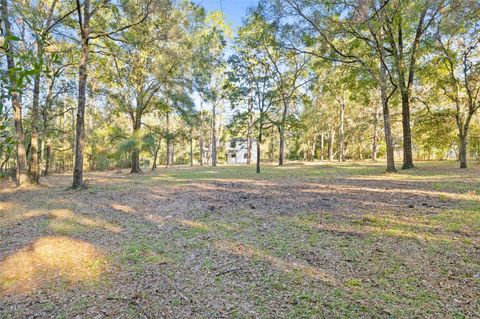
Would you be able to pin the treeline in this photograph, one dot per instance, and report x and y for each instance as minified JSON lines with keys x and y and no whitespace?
{"x":101,"y":85}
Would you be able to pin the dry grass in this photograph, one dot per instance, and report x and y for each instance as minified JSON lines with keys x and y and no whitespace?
{"x":50,"y":260}
{"x":299,"y":241}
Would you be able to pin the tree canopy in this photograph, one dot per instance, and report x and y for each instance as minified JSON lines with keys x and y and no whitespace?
{"x":101,"y":84}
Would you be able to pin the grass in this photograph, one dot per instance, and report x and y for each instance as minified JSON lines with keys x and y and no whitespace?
{"x":300,"y":241}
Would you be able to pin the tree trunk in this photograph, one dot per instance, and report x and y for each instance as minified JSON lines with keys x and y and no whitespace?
{"x":34,"y":168}
{"x":74,"y":139}
{"x":463,"y":150}
{"x":5,"y":162}
{"x":135,"y":165}
{"x":322,"y":145}
{"x":249,"y":132}
{"x":330,"y":143}
{"x":375,"y":135}
{"x":249,"y":150}
{"x":201,"y":150}
{"x":21,"y":169}
{"x":214,"y":136}
{"x":41,"y":157}
{"x":191,"y":146}
{"x":21,"y":176}
{"x":281,"y":145}
{"x":314,"y":143}
{"x":155,"y":156}
{"x":405,"y":84}
{"x":260,"y":132}
{"x":154,"y":164}
{"x":341,"y":132}
{"x":168,"y":150}
{"x":407,"y":134}
{"x":386,"y":120}
{"x":82,"y":86}
{"x":272,"y":145}
{"x":48,"y":157}
{"x":135,"y":169}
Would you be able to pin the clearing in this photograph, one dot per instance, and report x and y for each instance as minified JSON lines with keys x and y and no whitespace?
{"x":300,"y":241}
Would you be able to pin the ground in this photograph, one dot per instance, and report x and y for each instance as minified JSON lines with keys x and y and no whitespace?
{"x":305,"y":240}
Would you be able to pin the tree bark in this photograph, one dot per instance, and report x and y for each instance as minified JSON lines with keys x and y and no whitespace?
{"x":330,"y":143}
{"x":135,"y":169}
{"x":41,"y":157}
{"x":341,"y":131}
{"x":48,"y":157}
{"x":21,"y":176}
{"x":281,"y":133}
{"x":46,"y":134}
{"x":375,"y":135}
{"x":463,"y":151}
{"x":35,"y":161}
{"x":281,"y":145}
{"x":249,"y":131}
{"x":168,"y":150}
{"x":72,"y":111}
{"x":314,"y":146}
{"x":272,"y":145}
{"x":201,"y":150}
{"x":34,"y":167}
{"x":155,"y":156}
{"x":260,"y":134}
{"x":249,"y":150}
{"x":407,"y":133}
{"x":5,"y":162}
{"x":82,"y":86}
{"x":214,"y":136}
{"x":386,"y":120}
{"x":191,"y":146}
{"x":322,"y":145}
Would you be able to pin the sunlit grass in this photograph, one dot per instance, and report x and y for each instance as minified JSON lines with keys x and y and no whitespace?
{"x":49,"y":261}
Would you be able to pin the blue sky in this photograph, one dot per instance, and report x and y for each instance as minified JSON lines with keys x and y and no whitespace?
{"x":234,"y":10}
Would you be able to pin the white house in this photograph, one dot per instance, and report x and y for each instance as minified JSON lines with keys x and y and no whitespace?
{"x":237,"y":151}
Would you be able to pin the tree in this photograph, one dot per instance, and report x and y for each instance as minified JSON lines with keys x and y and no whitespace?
{"x":455,"y":70}
{"x":16,"y":79}
{"x":85,"y":14}
{"x":41,"y":21}
{"x":405,"y":25}
{"x":289,"y":68}
{"x":209,"y":74}
{"x":253,"y":73}
{"x":347,"y":32}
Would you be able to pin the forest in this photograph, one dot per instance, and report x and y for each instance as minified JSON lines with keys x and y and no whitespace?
{"x":239,"y":159}
{"x":94,"y":86}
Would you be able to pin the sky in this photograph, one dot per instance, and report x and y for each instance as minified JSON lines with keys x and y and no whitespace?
{"x":234,"y":10}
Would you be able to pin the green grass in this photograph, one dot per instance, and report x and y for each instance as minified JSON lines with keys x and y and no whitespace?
{"x":142,"y":252}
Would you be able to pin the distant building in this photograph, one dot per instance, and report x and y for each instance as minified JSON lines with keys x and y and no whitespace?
{"x":237,"y":151}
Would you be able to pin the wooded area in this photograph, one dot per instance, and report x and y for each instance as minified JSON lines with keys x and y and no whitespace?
{"x":123,"y":117}
{"x":100,"y":85}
